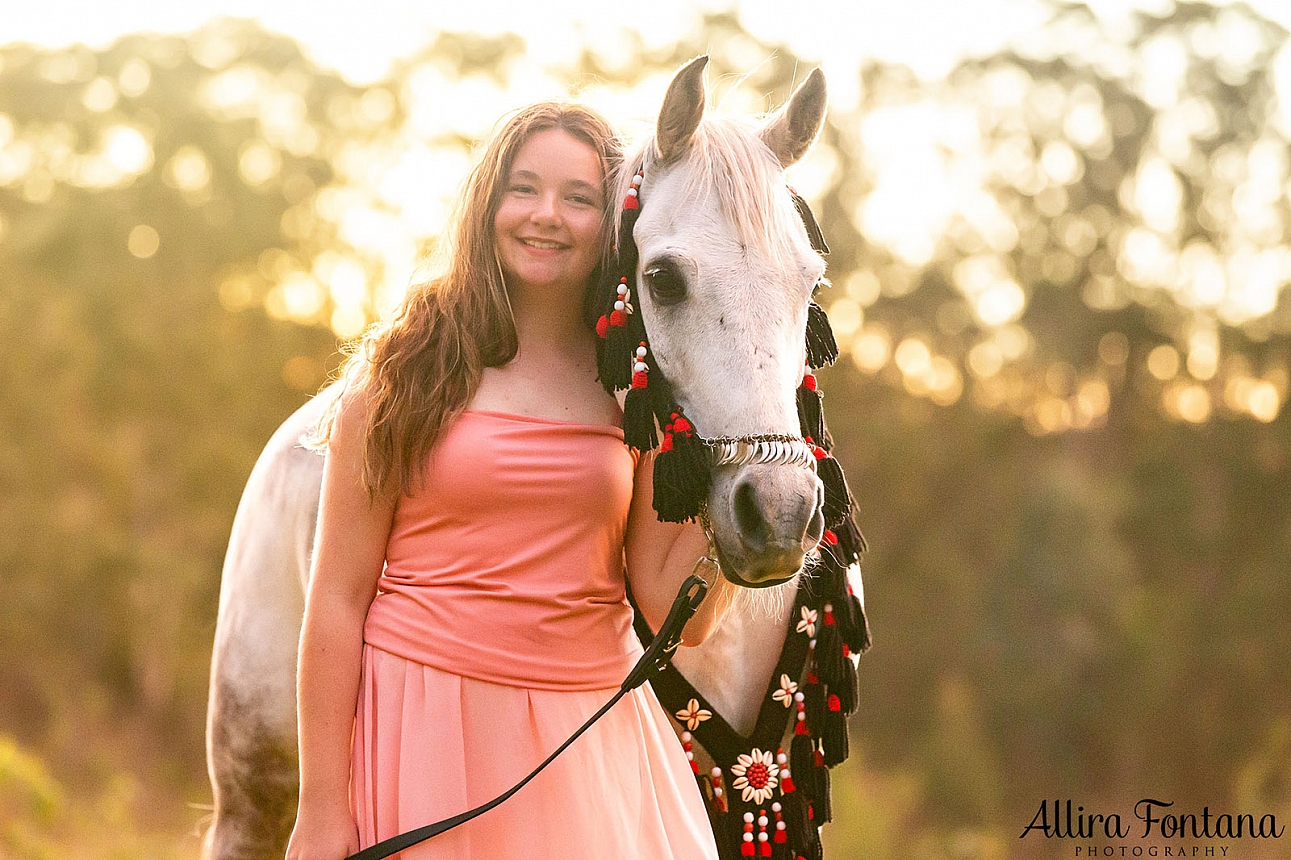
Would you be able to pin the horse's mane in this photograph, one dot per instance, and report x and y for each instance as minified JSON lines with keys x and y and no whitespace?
{"x":729,"y":160}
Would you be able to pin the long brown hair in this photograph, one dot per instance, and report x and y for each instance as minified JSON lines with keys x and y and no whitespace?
{"x":418,"y":370}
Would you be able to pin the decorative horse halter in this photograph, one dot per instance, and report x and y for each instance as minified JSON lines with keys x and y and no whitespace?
{"x":761,"y":802}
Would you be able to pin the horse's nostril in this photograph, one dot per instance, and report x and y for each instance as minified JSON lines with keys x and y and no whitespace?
{"x":748,"y":517}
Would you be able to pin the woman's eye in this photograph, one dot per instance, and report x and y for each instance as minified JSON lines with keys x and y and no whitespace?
{"x":666,"y":284}
{"x":522,"y":189}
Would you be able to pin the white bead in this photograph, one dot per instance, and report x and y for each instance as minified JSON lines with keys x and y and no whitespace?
{"x":748,"y":837}
{"x":618,"y":306}
{"x":717,"y":771}
{"x":801,"y":716}
{"x":829,"y":607}
{"x":623,"y":289}
{"x":632,"y":192}
{"x":641,"y":352}
{"x":717,"y":791}
{"x":798,"y":697}
{"x":636,"y":180}
{"x":748,"y":818}
{"x":690,"y":756}
{"x":762,"y":837}
{"x":781,"y":758}
{"x":685,"y":737}
{"x":775,"y":807}
{"x":779,"y":825}
{"x":762,"y":821}
{"x":639,"y":367}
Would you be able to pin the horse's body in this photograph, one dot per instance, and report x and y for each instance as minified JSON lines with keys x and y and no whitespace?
{"x":747,"y":330}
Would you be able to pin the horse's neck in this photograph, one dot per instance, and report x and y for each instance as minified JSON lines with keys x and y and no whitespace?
{"x":733,"y":666}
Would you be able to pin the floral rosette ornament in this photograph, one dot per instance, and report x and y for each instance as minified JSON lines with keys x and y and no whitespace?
{"x":756,"y":776}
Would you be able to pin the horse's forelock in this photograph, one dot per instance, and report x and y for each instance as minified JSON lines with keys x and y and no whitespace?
{"x":728,"y":160}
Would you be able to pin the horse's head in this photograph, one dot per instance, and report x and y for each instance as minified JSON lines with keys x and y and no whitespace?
{"x":725,"y":273}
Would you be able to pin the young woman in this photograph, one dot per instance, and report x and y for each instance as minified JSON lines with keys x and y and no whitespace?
{"x":466,"y":610}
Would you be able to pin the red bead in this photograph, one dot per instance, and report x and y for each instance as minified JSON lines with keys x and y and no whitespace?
{"x":603,"y":326}
{"x":681,"y":425}
{"x":809,"y":382}
{"x":829,"y":537}
{"x":834,"y":703}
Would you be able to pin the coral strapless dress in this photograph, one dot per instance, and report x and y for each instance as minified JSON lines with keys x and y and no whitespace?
{"x":500,"y":625}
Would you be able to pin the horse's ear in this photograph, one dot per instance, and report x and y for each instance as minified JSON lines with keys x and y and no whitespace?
{"x":793,"y":129}
{"x":682,"y":109}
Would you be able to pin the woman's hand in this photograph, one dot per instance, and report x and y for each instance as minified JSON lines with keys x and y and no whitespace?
{"x":324,"y":836}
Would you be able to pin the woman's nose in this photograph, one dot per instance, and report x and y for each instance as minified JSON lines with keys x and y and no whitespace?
{"x":547,"y":209}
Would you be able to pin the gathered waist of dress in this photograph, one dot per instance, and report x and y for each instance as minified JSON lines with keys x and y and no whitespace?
{"x":516,"y":640}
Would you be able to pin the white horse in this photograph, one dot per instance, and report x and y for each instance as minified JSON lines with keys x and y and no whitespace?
{"x":727,"y":271}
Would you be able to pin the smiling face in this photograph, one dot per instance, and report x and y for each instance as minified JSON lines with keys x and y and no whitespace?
{"x":549,"y":221}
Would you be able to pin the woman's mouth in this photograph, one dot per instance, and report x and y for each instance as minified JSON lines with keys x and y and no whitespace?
{"x":543,"y":244}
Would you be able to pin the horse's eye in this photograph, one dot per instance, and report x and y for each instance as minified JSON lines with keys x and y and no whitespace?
{"x":667,"y":285}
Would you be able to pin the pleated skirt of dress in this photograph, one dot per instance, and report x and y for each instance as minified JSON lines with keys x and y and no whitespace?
{"x":429,"y":744}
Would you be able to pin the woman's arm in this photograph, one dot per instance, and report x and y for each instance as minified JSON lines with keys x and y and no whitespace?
{"x":349,"y":552}
{"x":661,"y":555}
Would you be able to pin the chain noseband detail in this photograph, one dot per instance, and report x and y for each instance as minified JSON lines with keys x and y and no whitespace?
{"x":767,"y":449}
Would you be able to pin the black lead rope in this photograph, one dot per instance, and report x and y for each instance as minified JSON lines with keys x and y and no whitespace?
{"x":652,"y":662}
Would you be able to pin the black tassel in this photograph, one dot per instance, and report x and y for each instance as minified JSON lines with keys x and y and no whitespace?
{"x":834,"y":734}
{"x":850,"y":540}
{"x":802,"y":833}
{"x":829,"y":655}
{"x":810,"y":419}
{"x":823,"y":807}
{"x":829,"y":577}
{"x":813,"y":700}
{"x":638,"y":420}
{"x":681,"y":473}
{"x":814,"y":233}
{"x":627,"y":247}
{"x":616,"y":358}
{"x":848,"y":688}
{"x":856,"y":632}
{"x":822,"y":349}
{"x":838,"y":501}
{"x":802,"y":763}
